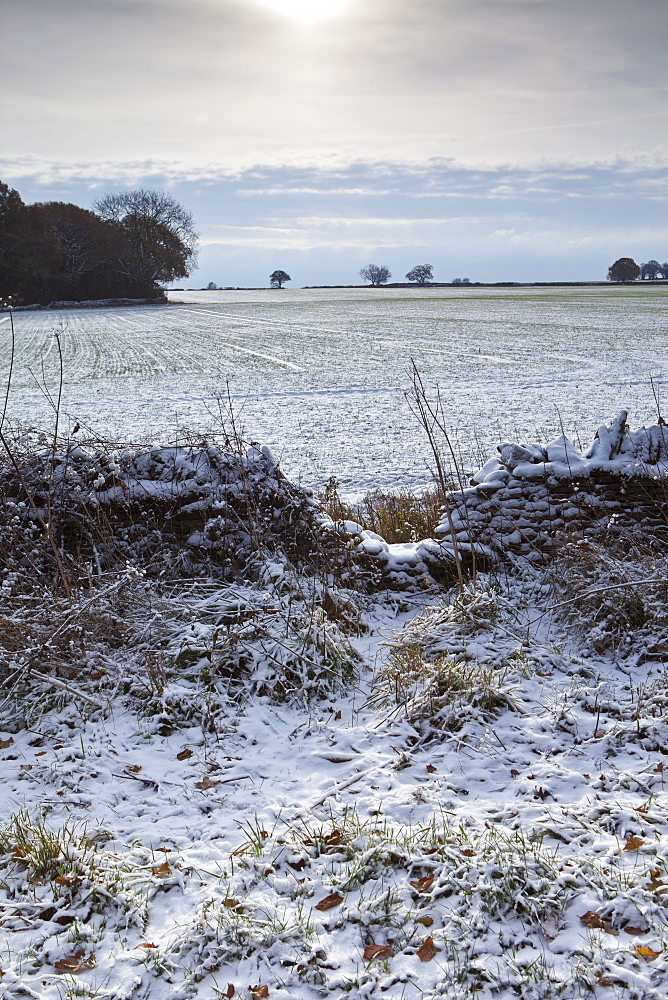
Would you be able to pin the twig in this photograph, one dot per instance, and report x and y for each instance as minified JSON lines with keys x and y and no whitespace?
{"x":598,"y":590}
{"x":55,"y":682}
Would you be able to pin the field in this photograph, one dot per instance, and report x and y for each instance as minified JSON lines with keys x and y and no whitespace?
{"x":319,"y":376}
{"x":233,"y":764}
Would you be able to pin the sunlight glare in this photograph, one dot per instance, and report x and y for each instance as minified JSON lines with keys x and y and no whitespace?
{"x":307,"y":11}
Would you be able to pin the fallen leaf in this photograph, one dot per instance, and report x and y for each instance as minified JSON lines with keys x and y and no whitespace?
{"x":655,"y":882}
{"x":334,"y":899}
{"x":184,"y":754}
{"x":40,"y":754}
{"x":468,"y":853}
{"x":376,"y":951}
{"x":514,"y":772}
{"x":133,"y":768}
{"x":604,"y":980}
{"x":635,"y":930}
{"x":337,"y":716}
{"x":163,"y":870}
{"x":334,"y":838}
{"x":206,"y":782}
{"x":646,"y":952}
{"x":423,"y":884}
{"x":633,"y":843}
{"x":75,"y":963}
{"x":431,"y":769}
{"x":425,"y":921}
{"x":427,"y":950}
{"x":67,"y":879}
{"x":146,"y":945}
{"x":659,"y":768}
{"x":259,"y":991}
{"x":230,"y":991}
{"x":230,"y":903}
{"x":592,"y":920}
{"x":25,"y":767}
{"x":6,"y":743}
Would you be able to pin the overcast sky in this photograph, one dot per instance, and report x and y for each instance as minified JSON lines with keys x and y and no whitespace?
{"x":496,"y":139}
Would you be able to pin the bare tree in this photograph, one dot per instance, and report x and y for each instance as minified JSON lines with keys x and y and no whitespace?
{"x":156,"y":238}
{"x":278,"y":278}
{"x":651,"y":269}
{"x":422,"y":273}
{"x":375,"y":274}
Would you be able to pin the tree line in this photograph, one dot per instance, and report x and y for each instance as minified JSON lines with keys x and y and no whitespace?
{"x":126,"y":247}
{"x":626,"y":269}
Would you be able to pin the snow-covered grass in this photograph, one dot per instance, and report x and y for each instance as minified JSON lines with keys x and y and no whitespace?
{"x":476,"y":808}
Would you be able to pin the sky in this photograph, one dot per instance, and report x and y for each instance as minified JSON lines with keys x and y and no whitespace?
{"x":499,"y":140}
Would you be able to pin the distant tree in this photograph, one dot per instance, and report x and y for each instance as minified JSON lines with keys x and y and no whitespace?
{"x":154,"y":238}
{"x":663,"y":273}
{"x":650,"y":270}
{"x":624,"y":269}
{"x":422,"y":273}
{"x":278,"y":278}
{"x":375,"y":274}
{"x":456,"y":281}
{"x":212,"y":287}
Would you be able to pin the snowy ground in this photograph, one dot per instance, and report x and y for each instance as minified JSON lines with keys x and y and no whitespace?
{"x":497,"y":829}
{"x":320,"y":376}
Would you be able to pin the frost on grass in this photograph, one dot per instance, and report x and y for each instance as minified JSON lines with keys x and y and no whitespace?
{"x":261,"y":779}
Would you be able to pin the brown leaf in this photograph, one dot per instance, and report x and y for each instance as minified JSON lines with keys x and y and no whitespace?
{"x":133,"y":768}
{"x":468,"y":853}
{"x":163,"y":870}
{"x":75,"y":963}
{"x":6,"y":743}
{"x":259,"y":991}
{"x":337,"y":716}
{"x":230,"y":991}
{"x":655,"y":882}
{"x":184,"y":754}
{"x":592,"y":920}
{"x":40,"y":754}
{"x":633,"y":843}
{"x":231,"y":903}
{"x":206,"y":782}
{"x":431,"y":769}
{"x":426,"y":921}
{"x":646,"y":952}
{"x":147,"y":944}
{"x":427,"y":950}
{"x":376,"y":951}
{"x":334,"y":838}
{"x":423,"y":884}
{"x":635,"y":930}
{"x":67,"y":879}
{"x":334,"y":899}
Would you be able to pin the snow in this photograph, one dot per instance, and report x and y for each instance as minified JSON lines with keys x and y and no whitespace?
{"x":473,"y":782}
{"x":503,"y":833}
{"x":324,"y":387}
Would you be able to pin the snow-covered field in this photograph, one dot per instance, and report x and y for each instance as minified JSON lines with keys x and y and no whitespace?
{"x":320,"y":376}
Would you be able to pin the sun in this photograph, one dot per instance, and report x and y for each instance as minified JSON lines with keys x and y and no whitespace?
{"x":307,"y":11}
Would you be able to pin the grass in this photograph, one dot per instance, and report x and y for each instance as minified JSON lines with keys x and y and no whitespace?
{"x":397,"y":515}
